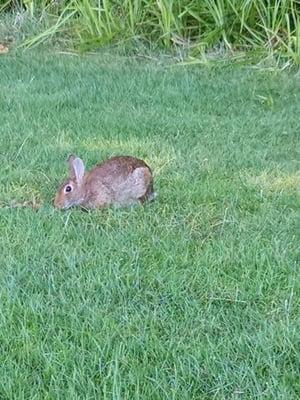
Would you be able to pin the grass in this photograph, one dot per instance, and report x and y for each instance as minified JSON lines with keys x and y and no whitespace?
{"x":195,"y":296}
{"x":187,"y":28}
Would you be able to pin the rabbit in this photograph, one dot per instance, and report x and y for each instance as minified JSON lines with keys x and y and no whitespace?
{"x":119,"y":181}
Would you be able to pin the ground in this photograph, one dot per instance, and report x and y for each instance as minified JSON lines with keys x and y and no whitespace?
{"x":193,"y":296}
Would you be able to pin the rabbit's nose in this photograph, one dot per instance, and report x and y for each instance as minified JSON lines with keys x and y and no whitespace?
{"x":56,"y":202}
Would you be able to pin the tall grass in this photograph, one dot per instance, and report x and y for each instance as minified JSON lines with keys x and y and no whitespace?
{"x":265,"y":25}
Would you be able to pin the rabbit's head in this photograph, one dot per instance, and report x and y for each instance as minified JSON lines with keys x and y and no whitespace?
{"x":71,"y":191}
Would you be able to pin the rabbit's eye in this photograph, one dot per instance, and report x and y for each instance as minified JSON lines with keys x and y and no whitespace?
{"x":68,"y":189}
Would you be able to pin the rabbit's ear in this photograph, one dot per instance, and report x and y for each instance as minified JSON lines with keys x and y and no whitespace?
{"x":76,"y":168}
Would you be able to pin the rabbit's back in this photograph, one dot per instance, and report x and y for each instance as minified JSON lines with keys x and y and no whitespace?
{"x":120,"y":180}
{"x":119,"y":165}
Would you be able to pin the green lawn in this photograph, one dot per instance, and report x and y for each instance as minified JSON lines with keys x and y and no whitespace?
{"x":194,"y":296}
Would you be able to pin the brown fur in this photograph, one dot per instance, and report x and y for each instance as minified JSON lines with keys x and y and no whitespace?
{"x":120,"y":180}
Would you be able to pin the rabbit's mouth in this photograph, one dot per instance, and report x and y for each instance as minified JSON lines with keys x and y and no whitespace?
{"x":65,"y":204}
{"x":61,"y":205}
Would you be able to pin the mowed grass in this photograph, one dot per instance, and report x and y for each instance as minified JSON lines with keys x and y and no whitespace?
{"x":194,"y":296}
